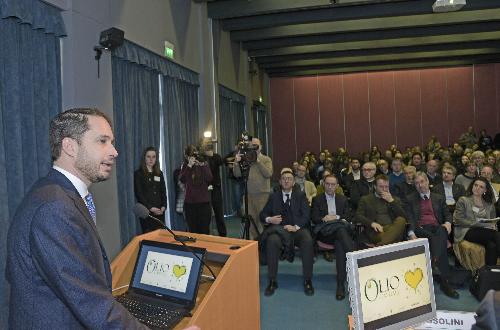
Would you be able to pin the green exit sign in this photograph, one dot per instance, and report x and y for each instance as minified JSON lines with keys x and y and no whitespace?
{"x":169,"y":50}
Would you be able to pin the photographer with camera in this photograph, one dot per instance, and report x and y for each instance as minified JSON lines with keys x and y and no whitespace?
{"x":258,"y":168}
{"x":196,"y":176}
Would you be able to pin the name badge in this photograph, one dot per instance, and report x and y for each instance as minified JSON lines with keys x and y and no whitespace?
{"x":475,"y":209}
{"x":156,"y":178}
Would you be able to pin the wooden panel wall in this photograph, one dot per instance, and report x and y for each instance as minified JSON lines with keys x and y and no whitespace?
{"x":403,"y":107}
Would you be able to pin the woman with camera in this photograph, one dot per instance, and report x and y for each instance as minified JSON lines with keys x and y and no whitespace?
{"x":471,"y":216}
{"x":149,"y":189}
{"x":196,"y":176}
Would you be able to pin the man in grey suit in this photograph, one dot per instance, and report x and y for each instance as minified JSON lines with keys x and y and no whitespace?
{"x":56,"y":264}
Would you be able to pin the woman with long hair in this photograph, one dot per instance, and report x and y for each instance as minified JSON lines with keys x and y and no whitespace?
{"x":469,"y":217}
{"x":149,"y":189}
{"x":196,"y":176}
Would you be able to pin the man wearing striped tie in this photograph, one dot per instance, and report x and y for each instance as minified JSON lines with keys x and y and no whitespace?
{"x":56,"y":264}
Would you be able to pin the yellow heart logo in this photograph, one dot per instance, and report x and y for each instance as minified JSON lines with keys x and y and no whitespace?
{"x":179,"y":270}
{"x":414,"y":278}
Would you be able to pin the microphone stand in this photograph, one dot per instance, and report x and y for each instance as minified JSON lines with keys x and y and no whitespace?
{"x":181,"y":239}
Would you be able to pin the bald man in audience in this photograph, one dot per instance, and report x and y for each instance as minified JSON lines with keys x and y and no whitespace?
{"x":402,"y":189}
{"x":365,"y":185}
{"x":432,"y":172}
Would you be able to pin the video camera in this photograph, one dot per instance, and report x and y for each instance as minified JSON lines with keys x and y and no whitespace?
{"x":247,"y":150}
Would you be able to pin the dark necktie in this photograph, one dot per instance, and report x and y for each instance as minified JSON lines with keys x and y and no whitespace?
{"x":287,"y":202}
{"x":90,"y":206}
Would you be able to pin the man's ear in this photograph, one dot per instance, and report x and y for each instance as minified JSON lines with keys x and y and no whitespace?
{"x":69,"y":147}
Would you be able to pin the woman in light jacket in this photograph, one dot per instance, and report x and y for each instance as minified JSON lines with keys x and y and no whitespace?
{"x":475,"y":205}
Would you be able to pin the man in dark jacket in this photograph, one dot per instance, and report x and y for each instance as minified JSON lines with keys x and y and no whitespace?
{"x":330,"y":214}
{"x":430,"y":218}
{"x":365,"y":185}
{"x":449,"y":190}
{"x":287,"y":209}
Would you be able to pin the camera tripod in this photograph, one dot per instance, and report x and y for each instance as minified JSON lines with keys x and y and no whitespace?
{"x":246,"y":219}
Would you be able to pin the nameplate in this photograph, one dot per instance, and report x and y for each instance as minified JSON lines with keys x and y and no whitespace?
{"x":447,"y":320}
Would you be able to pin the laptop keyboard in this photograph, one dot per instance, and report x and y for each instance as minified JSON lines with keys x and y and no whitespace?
{"x":156,"y":317}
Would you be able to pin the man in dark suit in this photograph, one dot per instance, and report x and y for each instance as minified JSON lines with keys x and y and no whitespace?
{"x":432,"y":172}
{"x":330,"y":214}
{"x":287,"y":215}
{"x":430,"y":218}
{"x":381,"y":214}
{"x":56,"y":264}
{"x":448,"y":189}
{"x":365,"y":185}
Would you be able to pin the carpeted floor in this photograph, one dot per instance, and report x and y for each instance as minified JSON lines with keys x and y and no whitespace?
{"x":289,"y":308}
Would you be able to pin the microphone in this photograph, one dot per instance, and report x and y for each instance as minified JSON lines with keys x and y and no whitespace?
{"x":142,"y":212}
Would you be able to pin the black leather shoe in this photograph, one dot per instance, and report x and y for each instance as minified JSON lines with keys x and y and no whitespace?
{"x":328,"y":256}
{"x":271,"y":287}
{"x":340,"y":295}
{"x":448,"y":290}
{"x":308,"y":288}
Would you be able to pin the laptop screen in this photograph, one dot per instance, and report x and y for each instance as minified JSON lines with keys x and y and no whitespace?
{"x":168,"y":271}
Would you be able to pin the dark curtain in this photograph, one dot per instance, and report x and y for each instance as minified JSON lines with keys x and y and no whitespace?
{"x":180,"y":120}
{"x":30,"y":95}
{"x":136,"y":111}
{"x":260,"y":125}
{"x":232,"y":124}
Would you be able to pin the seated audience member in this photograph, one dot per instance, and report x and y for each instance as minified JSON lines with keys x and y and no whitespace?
{"x":295,"y":166}
{"x":365,"y":185}
{"x":383,"y":167}
{"x":477,"y":204}
{"x":287,"y":215}
{"x":432,"y":172}
{"x":330,"y":214}
{"x":418,"y":161}
{"x":321,"y":188}
{"x":490,"y":158}
{"x":305,"y":186}
{"x":462,"y":164}
{"x":447,"y":188}
{"x":381,"y":214}
{"x":396,"y":175}
{"x":477,"y":158}
{"x":407,"y":186}
{"x":496,"y":176}
{"x":468,"y":139}
{"x":487,"y":173}
{"x":317,"y":171}
{"x":485,"y":141}
{"x":351,"y":174}
{"x":430,"y":218}
{"x":466,"y":178}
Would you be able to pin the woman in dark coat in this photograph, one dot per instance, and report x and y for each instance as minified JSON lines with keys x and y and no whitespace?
{"x":149,"y":189}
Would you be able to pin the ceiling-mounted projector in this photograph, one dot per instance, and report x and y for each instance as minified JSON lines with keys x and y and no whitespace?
{"x":443,"y":6}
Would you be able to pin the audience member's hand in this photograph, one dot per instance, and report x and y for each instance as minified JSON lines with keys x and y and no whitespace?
{"x":162,"y":209}
{"x":155,"y":211}
{"x":276,"y":220}
{"x":447,"y":225}
{"x":191,"y":161}
{"x":290,"y":228}
{"x":237,"y":158}
{"x":329,"y":217}
{"x":387,"y":197}
{"x":377,"y":227}
{"x":412,"y":236}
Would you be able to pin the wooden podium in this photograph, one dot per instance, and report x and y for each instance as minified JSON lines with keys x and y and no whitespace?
{"x":231,"y":301}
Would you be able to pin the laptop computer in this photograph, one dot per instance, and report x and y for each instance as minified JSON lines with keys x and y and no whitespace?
{"x":164,"y":284}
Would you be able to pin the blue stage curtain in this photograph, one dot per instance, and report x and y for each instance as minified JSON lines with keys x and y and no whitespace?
{"x":30,"y":95}
{"x":136,"y":112}
{"x":180,"y":120}
{"x":232,"y":124}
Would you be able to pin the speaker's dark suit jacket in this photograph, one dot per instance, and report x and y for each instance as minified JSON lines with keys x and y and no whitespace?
{"x":441,"y":211}
{"x":300,"y":211}
{"x":457,"y":190}
{"x":57,"y":266}
{"x":320,"y":210}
